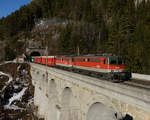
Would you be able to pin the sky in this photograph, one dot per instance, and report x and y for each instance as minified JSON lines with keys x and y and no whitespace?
{"x":9,"y":6}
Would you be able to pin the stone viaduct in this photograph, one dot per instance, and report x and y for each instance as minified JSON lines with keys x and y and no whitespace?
{"x":63,"y":95}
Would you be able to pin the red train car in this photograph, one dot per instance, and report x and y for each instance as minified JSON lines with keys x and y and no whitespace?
{"x":43,"y":60}
{"x":65,"y":61}
{"x":37,"y":59}
{"x":51,"y":60}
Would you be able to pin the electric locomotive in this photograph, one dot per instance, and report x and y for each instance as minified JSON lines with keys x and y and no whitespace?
{"x":107,"y":66}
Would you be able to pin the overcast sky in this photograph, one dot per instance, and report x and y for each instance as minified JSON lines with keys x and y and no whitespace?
{"x":9,"y":6}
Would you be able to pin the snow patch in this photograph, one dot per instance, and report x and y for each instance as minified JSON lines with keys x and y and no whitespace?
{"x":141,"y":76}
{"x":24,"y":71}
{"x":8,"y":62}
{"x":18,"y":68}
{"x":16,"y":86}
{"x":16,"y":96}
{"x":30,"y":101}
{"x":17,"y":79}
{"x":10,"y":77}
{"x":14,"y":107}
{"x":2,"y":73}
{"x":15,"y":60}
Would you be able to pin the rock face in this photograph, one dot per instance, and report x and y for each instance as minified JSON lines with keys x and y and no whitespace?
{"x":16,"y":92}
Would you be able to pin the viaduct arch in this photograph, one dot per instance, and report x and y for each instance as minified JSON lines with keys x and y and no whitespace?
{"x":99,"y":111}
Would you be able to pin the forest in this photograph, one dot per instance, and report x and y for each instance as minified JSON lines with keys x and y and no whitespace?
{"x":120,"y":27}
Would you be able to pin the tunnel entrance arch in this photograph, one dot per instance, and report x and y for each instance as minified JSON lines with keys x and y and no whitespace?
{"x":35,"y":53}
{"x":99,"y":111}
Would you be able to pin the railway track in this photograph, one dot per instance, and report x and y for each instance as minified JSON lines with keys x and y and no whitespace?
{"x":138,"y":83}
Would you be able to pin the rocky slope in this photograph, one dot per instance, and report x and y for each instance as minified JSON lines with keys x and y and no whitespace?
{"x":16,"y":92}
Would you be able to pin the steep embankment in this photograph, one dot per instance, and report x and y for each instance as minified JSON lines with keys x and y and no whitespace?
{"x":16,"y":92}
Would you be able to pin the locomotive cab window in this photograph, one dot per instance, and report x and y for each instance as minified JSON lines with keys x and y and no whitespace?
{"x":115,"y":61}
{"x":120,"y":61}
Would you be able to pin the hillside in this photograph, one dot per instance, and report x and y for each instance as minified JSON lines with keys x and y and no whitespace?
{"x":97,"y":26}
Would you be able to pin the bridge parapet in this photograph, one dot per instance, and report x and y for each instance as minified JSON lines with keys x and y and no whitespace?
{"x":64,"y":95}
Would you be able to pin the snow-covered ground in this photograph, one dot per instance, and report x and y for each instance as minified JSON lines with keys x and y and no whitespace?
{"x":141,"y":76}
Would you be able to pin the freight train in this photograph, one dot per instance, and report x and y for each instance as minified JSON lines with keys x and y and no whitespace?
{"x":108,"y":67}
